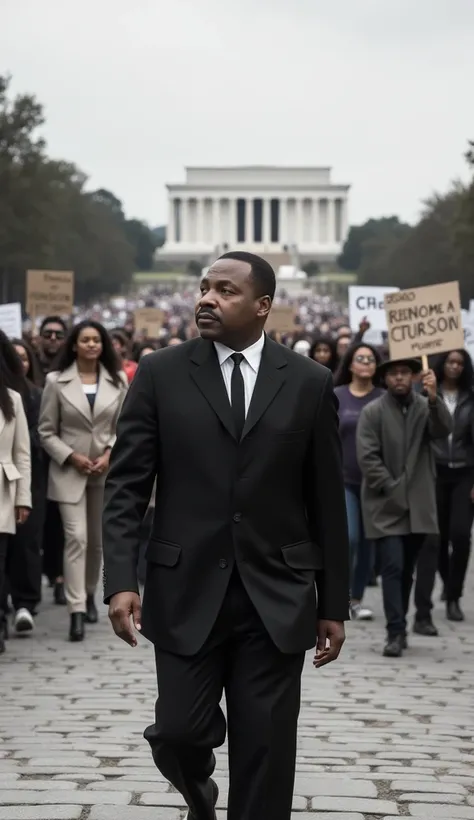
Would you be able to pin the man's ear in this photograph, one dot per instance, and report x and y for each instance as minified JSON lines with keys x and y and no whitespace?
{"x":264,"y":307}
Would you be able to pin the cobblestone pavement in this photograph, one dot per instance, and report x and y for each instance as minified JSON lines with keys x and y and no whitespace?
{"x":378,"y":738}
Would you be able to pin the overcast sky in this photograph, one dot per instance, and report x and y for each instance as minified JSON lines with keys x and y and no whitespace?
{"x":134,"y":90}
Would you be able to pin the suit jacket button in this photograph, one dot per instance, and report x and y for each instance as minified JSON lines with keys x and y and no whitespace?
{"x":237,"y":517}
{"x":223,"y":563}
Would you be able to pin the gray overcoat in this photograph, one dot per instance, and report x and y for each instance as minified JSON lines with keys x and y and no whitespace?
{"x":394,"y":452}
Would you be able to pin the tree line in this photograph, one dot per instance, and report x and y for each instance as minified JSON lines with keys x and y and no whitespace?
{"x":48,"y":220}
{"x":439,"y":248}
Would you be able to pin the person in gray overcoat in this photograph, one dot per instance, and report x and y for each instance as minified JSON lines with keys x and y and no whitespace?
{"x":398,"y":482}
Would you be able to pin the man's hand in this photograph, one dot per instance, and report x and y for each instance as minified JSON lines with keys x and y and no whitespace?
{"x":331,"y":636}
{"x":81,"y":463}
{"x":364,"y":325}
{"x":121,"y":607}
{"x":101,"y":464}
{"x":22,"y":514}
{"x":428,"y":380}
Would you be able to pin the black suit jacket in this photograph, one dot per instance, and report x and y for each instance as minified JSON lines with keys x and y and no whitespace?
{"x":272,"y":504}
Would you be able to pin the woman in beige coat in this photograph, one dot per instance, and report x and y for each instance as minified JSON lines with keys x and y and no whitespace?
{"x":81,"y":403}
{"x":15,"y":467}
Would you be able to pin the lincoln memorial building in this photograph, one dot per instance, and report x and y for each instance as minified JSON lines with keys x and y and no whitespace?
{"x":266,"y":210}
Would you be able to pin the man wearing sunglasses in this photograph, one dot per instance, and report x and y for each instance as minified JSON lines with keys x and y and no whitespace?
{"x":51,"y":338}
{"x":52,"y":334}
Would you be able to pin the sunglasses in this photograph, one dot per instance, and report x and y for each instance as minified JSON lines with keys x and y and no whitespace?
{"x":50,"y":334}
{"x":364,"y":359}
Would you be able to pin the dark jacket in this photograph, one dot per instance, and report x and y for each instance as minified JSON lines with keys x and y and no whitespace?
{"x":397,"y":464}
{"x":272,"y":505}
{"x":458,"y":450}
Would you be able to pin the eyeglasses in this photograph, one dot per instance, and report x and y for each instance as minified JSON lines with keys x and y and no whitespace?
{"x":364,"y":359}
{"x":50,"y":334}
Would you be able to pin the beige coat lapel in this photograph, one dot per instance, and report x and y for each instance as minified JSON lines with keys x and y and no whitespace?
{"x":70,"y":384}
{"x":107,"y":393}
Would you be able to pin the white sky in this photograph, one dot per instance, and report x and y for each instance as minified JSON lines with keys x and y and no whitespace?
{"x":134,"y":90}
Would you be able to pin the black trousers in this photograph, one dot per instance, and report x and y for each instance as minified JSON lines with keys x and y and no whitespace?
{"x":453,"y":495}
{"x":24,"y":565}
{"x":262,"y":688}
{"x":426,"y":569}
{"x":397,"y":555}
{"x":3,"y":558}
{"x":53,"y":542}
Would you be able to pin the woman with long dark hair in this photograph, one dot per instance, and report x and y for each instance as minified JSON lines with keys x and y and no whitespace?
{"x":24,"y":548}
{"x":81,"y":403}
{"x":15,"y":460}
{"x":355,"y":388}
{"x":455,"y":476}
{"x":323,"y":350}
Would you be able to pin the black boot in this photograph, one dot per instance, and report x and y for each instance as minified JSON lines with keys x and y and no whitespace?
{"x":425,"y":627}
{"x":3,"y":632}
{"x":454,"y":611}
{"x":59,"y":596}
{"x":76,"y":630}
{"x":394,"y":646}
{"x":92,"y":616}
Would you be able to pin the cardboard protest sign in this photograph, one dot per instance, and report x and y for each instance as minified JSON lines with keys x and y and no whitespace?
{"x":468,"y":327}
{"x":49,"y":292}
{"x":281,"y":319}
{"x":424,"y":321}
{"x":148,"y":322}
{"x":10,"y":320}
{"x":367,"y":302}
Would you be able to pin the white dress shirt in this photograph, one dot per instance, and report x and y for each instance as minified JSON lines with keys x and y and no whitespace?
{"x":248,"y":367}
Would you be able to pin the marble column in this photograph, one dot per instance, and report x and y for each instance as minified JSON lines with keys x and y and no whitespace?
{"x":331,"y":232}
{"x":199,"y":220}
{"x":298,"y":221}
{"x":171,"y":230}
{"x":315,"y":222}
{"x":184,"y":220}
{"x":216,"y":237}
{"x":266,"y":221}
{"x":249,"y":221}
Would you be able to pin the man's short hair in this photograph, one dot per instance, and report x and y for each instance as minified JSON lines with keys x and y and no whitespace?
{"x":262,"y":272}
{"x":53,"y":320}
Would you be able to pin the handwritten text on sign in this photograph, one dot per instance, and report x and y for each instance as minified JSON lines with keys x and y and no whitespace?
{"x":148,"y":322}
{"x":49,"y":292}
{"x":424,"y":321}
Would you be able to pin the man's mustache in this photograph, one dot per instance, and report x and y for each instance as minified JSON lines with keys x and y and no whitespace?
{"x":207,"y":314}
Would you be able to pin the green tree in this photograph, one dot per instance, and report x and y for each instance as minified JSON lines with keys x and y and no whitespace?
{"x":374,"y":231}
{"x":144,"y":243}
{"x":29,"y":183}
{"x":429,"y":254}
{"x":47,"y":220}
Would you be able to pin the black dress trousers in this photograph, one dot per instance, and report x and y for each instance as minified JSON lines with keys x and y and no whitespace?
{"x":262,"y":688}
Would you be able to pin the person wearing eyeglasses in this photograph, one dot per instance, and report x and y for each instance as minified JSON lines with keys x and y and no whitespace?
{"x":52,"y":334}
{"x":355,"y":389}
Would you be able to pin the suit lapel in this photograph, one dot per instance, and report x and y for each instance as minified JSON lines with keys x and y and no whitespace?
{"x":206,"y":372}
{"x":73,"y":391}
{"x":106,"y":393}
{"x":270,"y":379}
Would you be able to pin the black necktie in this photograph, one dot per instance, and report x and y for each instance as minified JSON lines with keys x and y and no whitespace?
{"x":237,"y":395}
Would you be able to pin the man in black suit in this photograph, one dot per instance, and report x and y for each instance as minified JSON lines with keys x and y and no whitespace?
{"x":242,"y":435}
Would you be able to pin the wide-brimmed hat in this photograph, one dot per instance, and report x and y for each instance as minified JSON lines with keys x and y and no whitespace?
{"x":414,"y":365}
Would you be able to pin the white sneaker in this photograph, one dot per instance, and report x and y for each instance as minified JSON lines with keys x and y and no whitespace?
{"x":360,"y":613}
{"x":23,"y":623}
